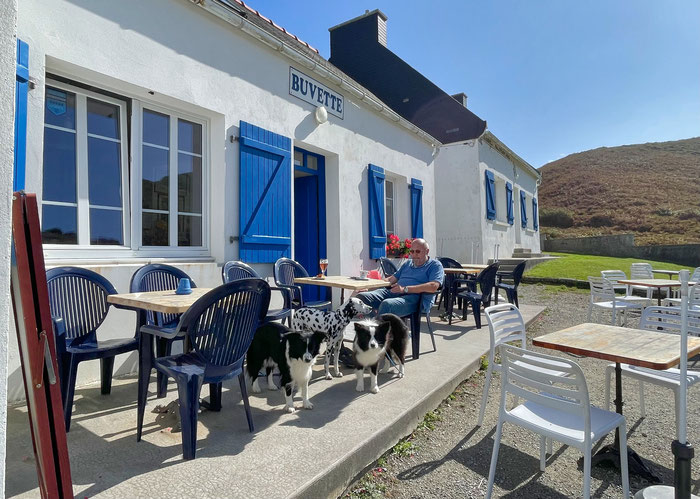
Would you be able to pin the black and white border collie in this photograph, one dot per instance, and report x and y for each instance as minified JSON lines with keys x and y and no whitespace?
{"x":373,"y":339}
{"x":293,"y":353}
{"x":332,"y":325}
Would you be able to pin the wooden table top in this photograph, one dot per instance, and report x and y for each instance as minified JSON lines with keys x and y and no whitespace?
{"x":479,"y":266}
{"x":462,"y":271}
{"x":653,"y":283}
{"x":667,"y":272}
{"x":620,"y":344}
{"x":343,"y":282}
{"x":159,"y":301}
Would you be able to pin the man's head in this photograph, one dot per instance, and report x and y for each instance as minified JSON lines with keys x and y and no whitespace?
{"x":419,"y":251}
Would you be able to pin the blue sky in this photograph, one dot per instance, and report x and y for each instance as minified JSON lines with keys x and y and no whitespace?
{"x":550,"y":77}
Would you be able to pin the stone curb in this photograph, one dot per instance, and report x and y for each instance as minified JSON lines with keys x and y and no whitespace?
{"x":351,"y":466}
{"x":572,"y":283}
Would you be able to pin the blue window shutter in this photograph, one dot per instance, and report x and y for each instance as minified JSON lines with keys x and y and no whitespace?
{"x":416,"y":208}
{"x":509,"y":203}
{"x":535,"y":222}
{"x":377,"y":233}
{"x":490,"y":195}
{"x":21,"y":90}
{"x":265,"y":203}
{"x":523,"y":210}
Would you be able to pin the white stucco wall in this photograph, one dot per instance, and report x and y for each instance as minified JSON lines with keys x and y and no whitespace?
{"x":8,"y":50}
{"x":137,"y":49}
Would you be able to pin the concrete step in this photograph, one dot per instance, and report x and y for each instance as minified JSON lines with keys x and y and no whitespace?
{"x":531,"y":262}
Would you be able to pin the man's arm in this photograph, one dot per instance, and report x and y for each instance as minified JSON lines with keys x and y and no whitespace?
{"x":428,"y":287}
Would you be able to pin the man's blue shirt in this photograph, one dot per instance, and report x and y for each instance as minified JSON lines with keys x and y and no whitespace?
{"x":410,"y":275}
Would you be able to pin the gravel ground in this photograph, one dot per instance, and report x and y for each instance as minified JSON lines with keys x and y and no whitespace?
{"x":448,"y":456}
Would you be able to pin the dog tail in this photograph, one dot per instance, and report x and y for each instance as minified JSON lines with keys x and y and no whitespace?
{"x":399,"y":335}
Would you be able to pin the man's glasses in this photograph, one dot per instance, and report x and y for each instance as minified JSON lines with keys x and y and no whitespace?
{"x":415,"y":251}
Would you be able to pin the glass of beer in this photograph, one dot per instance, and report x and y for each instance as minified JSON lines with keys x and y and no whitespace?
{"x":323,"y":263}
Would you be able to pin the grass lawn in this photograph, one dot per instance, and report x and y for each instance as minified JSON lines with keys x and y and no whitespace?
{"x":573,"y":266}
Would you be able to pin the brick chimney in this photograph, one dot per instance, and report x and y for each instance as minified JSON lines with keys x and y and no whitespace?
{"x":461,"y":98}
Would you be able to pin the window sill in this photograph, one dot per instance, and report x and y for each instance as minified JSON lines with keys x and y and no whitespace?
{"x":530,"y":231}
{"x":499,"y":223}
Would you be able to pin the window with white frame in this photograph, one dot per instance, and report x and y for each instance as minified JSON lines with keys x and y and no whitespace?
{"x":389,"y":206}
{"x":500,"y":199}
{"x":87,"y":200}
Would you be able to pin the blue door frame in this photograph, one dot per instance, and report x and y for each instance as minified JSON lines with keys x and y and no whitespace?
{"x":310,"y":217}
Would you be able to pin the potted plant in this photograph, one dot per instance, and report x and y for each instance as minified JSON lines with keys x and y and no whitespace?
{"x":396,"y":248}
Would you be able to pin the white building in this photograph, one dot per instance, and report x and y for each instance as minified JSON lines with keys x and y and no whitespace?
{"x":198,"y":132}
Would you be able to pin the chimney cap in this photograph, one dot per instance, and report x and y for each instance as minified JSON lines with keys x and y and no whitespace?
{"x":367,"y":13}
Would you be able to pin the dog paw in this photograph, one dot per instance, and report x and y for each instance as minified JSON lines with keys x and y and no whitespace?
{"x":256,"y":387}
{"x":308,"y":405}
{"x":290,"y":409}
{"x":374,"y":389}
{"x":328,"y":376}
{"x":338,"y":374}
{"x":272,"y":387}
{"x":400,"y":374}
{"x":359,"y":388}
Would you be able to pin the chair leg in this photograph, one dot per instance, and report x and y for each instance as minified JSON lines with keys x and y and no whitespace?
{"x":590,"y":311}
{"x":215,"y":396}
{"x":642,"y":408}
{"x":430,"y":330}
{"x":106,"y":368}
{"x":145,"y":366}
{"x":476,"y":310}
{"x":543,"y":452}
{"x":549,"y":446}
{"x":246,"y":404}
{"x":163,"y":348}
{"x":415,"y":335}
{"x":515,"y":297}
{"x":677,"y":396}
{"x":624,"y":475}
{"x":485,"y":395}
{"x":70,"y":391}
{"x":188,"y":394}
{"x":587,"y":471}
{"x":494,"y":457}
{"x":495,"y":290}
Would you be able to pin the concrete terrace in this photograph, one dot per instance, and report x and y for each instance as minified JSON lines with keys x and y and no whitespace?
{"x":313,"y":453}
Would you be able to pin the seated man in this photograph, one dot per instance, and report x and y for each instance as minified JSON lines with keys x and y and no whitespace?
{"x":421,"y":274}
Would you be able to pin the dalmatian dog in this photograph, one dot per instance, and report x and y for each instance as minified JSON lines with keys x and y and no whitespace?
{"x":332,"y":325}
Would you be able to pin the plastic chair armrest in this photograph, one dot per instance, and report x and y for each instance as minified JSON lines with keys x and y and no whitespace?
{"x":162,"y":332}
{"x":286,"y":294}
{"x":59,"y":327}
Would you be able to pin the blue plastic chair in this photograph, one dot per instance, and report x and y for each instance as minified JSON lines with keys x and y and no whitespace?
{"x":285,"y":271}
{"x":78,"y":300}
{"x":447,"y":295}
{"x":234,"y":270}
{"x":511,"y":289}
{"x":219,"y":328}
{"x":414,"y":324}
{"x":159,"y":277}
{"x":387,"y":266}
{"x":486,"y":281}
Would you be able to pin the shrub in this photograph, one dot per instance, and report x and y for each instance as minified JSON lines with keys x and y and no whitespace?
{"x":689,"y":215}
{"x":601,"y":221}
{"x":556,"y":217}
{"x":664,"y":212}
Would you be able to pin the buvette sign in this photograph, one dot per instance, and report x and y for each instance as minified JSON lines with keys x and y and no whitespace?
{"x":313,"y":92}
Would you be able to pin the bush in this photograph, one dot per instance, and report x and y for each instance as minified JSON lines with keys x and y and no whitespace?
{"x":601,"y":221}
{"x":689,"y":215}
{"x":664,"y":212}
{"x":556,"y":217}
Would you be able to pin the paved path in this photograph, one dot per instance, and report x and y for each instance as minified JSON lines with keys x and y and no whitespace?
{"x":307,"y":454}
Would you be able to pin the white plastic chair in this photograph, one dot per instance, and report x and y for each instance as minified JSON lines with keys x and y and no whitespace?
{"x":641,"y":271}
{"x":693,"y":294}
{"x":666,"y":320}
{"x":613,"y":276}
{"x":603,"y":297}
{"x":555,"y":407}
{"x":505,"y":325}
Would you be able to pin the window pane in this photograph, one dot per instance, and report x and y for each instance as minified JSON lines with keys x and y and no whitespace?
{"x":189,"y":136}
{"x":156,"y":179}
{"x":156,"y":128}
{"x":189,"y":182}
{"x":189,"y":230}
{"x":103,"y":118}
{"x":59,"y":166}
{"x":155,"y":229}
{"x":389,"y":187}
{"x":298,"y":158}
{"x":390,"y":216}
{"x":59,"y":224}
{"x":311,"y":162}
{"x":59,"y":108}
{"x":105,"y":226}
{"x":104,"y":172}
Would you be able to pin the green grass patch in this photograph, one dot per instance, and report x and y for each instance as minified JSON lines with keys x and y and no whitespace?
{"x":573,"y":266}
{"x":368,"y":488}
{"x":404,"y":448}
{"x":429,"y":420}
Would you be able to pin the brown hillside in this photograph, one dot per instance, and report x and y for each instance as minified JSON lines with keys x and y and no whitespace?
{"x":652,"y":190}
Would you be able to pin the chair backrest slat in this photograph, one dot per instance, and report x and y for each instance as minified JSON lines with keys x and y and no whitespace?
{"x":538,"y":378}
{"x":387,"y":266}
{"x":158,"y":277}
{"x":601,"y":289}
{"x":613,"y":275}
{"x":668,"y":320}
{"x":79,"y":297}
{"x":234,"y":270}
{"x":505,"y":325}
{"x":641,"y":271}
{"x":221,"y":324}
{"x":487,"y":280}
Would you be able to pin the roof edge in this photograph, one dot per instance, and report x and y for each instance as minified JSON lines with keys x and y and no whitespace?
{"x":225,"y":12}
{"x":496,"y":143}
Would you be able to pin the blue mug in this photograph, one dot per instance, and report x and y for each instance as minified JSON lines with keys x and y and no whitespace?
{"x":183,"y":287}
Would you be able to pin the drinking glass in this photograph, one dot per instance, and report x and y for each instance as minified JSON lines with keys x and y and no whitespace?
{"x":323,"y":263}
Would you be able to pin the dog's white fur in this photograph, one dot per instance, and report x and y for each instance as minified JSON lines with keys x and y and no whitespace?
{"x":300,"y":370}
{"x":332,"y":325}
{"x":367,"y":358}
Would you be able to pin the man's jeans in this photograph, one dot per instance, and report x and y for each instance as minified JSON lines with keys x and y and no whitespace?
{"x":386,"y":302}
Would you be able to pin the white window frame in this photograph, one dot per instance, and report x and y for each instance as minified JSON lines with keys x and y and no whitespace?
{"x":131,"y":184}
{"x":391,"y":181}
{"x":81,"y":174}
{"x":499,"y":191}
